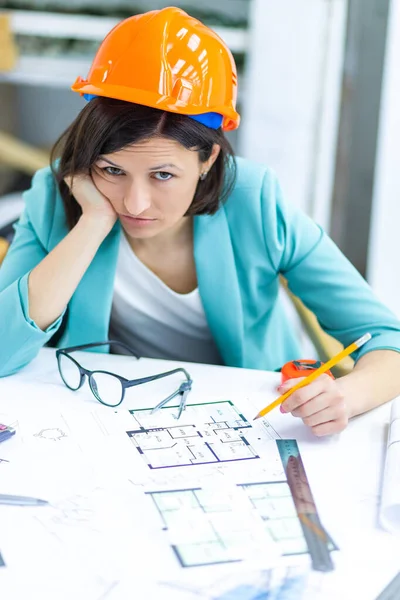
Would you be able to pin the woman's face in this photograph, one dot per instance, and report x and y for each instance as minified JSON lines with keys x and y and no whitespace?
{"x":150,"y":184}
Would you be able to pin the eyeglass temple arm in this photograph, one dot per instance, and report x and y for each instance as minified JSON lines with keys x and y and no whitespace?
{"x":93,"y":344}
{"x":134,"y":382}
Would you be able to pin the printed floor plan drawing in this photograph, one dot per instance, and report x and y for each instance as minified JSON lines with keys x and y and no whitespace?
{"x":214,"y":432}
{"x":274,"y":503}
{"x":204,"y":528}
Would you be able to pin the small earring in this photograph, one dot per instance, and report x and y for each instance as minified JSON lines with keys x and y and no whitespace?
{"x":203,"y":176}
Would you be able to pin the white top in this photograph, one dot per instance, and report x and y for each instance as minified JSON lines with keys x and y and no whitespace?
{"x":155,"y":321}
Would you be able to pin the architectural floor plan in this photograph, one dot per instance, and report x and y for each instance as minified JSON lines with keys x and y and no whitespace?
{"x":205,"y":527}
{"x":273,"y":502}
{"x":214,"y":432}
{"x":210,"y":523}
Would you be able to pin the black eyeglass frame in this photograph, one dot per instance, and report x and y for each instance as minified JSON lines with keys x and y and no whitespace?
{"x":125,"y":383}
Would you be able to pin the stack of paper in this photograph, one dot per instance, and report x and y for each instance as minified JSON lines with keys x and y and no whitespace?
{"x":390,"y":503}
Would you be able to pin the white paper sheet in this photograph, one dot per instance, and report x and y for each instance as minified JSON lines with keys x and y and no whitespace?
{"x":38,"y":567}
{"x":77,"y":454}
{"x":212,"y":483}
{"x":90,"y":523}
{"x":390,"y":501}
{"x":99,"y":514}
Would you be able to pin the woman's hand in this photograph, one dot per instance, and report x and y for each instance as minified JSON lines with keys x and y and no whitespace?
{"x":321,"y":404}
{"x":53,"y":281}
{"x":94,"y":205}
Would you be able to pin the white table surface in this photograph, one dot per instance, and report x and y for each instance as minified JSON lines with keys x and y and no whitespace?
{"x":344,"y":471}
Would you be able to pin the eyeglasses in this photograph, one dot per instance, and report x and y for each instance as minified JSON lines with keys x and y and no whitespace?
{"x":109,"y":388}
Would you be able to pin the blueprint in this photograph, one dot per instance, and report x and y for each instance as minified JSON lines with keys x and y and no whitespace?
{"x":201,"y":495}
{"x":214,"y":432}
{"x":213,"y":527}
{"x":216,"y":483}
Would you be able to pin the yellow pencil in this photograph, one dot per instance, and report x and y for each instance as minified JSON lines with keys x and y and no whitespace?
{"x":331,"y":363}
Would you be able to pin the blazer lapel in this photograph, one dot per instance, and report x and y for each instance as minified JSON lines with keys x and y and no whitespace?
{"x":218,"y":284}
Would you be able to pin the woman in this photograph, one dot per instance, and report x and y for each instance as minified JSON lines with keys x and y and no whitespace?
{"x":148,"y":230}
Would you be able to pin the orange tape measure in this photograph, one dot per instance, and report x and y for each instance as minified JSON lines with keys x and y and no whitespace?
{"x":300,"y":368}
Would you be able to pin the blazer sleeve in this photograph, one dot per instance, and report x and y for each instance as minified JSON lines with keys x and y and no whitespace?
{"x":322,"y":277}
{"x":20,"y":338}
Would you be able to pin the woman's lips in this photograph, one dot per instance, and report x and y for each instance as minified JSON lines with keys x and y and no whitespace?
{"x":139,"y":221}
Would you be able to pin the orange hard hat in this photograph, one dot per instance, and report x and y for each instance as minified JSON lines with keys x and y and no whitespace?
{"x":167,"y":60}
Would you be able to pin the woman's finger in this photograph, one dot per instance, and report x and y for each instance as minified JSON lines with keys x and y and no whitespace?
{"x":331,"y":427}
{"x":315,"y":405}
{"x":322,"y":384}
{"x":332,"y":412}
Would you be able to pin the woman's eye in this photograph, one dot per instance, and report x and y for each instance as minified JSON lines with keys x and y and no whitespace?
{"x":112,"y":170}
{"x":162,"y":176}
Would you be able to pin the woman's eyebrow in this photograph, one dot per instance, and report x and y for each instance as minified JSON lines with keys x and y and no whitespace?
{"x":109,"y":162}
{"x":165,"y":166}
{"x":157,"y":168}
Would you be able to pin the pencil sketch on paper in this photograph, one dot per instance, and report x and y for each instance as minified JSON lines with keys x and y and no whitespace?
{"x":73,"y":515}
{"x":73,"y":511}
{"x":53,"y":434}
{"x":214,"y":432}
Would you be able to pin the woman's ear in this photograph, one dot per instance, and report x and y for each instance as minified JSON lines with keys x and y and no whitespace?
{"x":206,"y":166}
{"x":216,"y":149}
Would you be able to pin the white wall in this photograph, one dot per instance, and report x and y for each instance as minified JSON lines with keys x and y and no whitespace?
{"x":290,"y":116}
{"x":384,"y":248}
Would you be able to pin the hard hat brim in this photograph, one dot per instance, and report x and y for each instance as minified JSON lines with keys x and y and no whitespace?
{"x":231,"y":117}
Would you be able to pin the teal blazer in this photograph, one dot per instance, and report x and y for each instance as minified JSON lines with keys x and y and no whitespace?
{"x":239,"y":253}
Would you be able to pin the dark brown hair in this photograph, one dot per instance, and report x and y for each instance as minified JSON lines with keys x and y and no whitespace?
{"x":106,"y":125}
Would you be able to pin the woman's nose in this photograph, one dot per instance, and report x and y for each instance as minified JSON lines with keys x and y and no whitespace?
{"x":137,"y":200}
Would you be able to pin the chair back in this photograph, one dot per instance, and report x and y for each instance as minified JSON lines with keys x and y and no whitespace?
{"x":326,"y":346}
